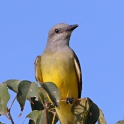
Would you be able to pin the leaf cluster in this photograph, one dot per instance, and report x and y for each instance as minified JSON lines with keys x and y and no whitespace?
{"x":43,"y":101}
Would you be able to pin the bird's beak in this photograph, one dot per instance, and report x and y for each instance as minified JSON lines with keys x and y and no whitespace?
{"x":71,"y":27}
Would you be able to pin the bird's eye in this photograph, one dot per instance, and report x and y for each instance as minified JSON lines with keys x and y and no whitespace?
{"x":56,"y":30}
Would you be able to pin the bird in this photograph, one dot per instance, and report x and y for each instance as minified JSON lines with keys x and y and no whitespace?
{"x":59,"y":64}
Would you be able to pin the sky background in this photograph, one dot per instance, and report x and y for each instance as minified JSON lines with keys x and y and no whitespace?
{"x":98,"y":43}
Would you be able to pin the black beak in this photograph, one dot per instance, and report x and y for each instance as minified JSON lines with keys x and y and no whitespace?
{"x":71,"y":27}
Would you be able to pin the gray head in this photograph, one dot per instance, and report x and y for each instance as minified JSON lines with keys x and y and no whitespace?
{"x":59,"y":35}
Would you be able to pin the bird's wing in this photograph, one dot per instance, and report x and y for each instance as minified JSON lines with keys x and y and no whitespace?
{"x":79,"y":74}
{"x":37,"y":67}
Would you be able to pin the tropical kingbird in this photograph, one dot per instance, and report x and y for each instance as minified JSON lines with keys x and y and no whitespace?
{"x":60,"y":65}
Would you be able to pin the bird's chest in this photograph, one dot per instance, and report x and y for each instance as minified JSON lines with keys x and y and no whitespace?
{"x":57,"y":63}
{"x":60,"y":69}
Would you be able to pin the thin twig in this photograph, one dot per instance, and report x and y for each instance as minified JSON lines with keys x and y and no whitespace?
{"x":9,"y":115}
{"x":8,"y":112}
{"x":50,"y":110}
{"x":63,"y":100}
{"x":54,"y":117}
{"x":12,"y":104}
{"x":74,"y":99}
{"x":46,"y":108}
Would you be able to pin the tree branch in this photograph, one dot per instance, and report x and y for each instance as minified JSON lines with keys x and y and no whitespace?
{"x":12,"y":104}
{"x":9,"y":115}
{"x":46,"y":109}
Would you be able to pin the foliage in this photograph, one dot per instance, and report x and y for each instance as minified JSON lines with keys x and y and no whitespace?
{"x":43,"y":101}
{"x":120,"y":122}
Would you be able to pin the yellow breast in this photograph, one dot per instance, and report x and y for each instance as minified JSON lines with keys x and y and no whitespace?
{"x":60,"y":69}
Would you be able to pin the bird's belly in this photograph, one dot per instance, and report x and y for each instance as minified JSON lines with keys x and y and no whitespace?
{"x":62,"y":73}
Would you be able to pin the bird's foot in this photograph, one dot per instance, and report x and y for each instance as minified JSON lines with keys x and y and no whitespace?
{"x":69,"y":100}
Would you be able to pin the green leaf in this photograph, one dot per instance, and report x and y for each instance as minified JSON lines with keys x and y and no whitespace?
{"x":2,"y":123}
{"x":39,"y":117}
{"x":93,"y":113}
{"x":43,"y":96}
{"x":101,"y":119}
{"x":42,"y":118}
{"x":53,"y":92}
{"x":34,"y":115}
{"x":85,"y":111}
{"x":26,"y":90}
{"x":13,"y":84}
{"x":4,"y":98}
{"x":33,"y":91}
{"x":120,"y":122}
{"x":80,"y":110}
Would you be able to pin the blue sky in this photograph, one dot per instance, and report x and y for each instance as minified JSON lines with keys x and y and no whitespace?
{"x":98,"y":43}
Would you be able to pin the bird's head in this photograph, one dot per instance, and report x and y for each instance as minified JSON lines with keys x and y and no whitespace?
{"x":59,"y":35}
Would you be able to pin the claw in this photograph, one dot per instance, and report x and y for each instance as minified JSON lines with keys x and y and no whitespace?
{"x":69,"y":100}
